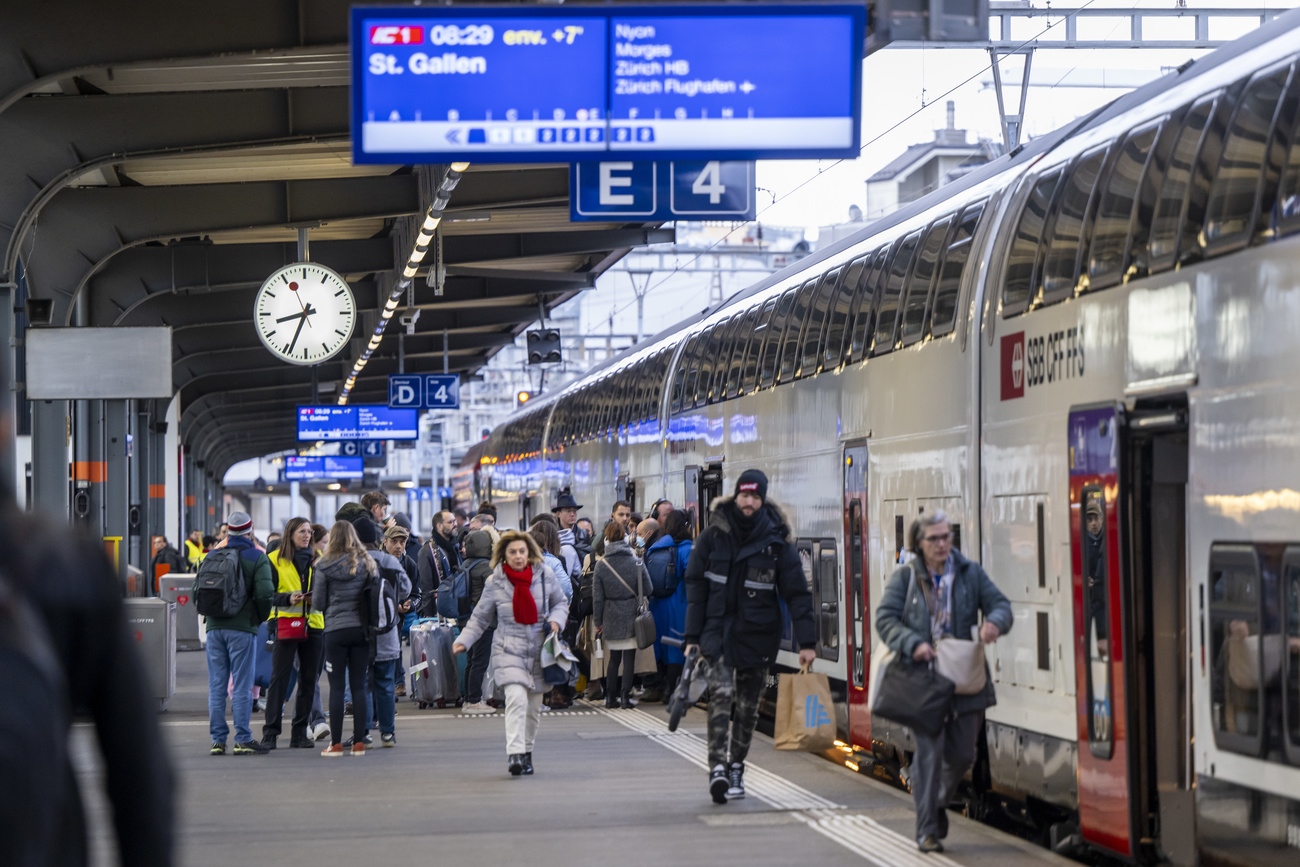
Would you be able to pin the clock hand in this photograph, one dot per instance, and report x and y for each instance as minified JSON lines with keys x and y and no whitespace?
{"x":287,"y":318}
{"x":294,"y":342}
{"x":308,"y":311}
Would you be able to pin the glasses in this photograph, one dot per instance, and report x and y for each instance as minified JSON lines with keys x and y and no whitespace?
{"x":938,"y":540}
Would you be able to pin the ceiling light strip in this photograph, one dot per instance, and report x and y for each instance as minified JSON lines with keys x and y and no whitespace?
{"x":432,"y":218}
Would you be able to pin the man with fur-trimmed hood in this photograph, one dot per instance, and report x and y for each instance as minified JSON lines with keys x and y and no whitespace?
{"x":740,"y":568}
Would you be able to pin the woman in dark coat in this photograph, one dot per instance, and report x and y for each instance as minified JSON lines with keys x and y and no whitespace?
{"x":618,"y":582}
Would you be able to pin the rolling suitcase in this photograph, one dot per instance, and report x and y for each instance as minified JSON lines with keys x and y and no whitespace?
{"x":434,"y":672}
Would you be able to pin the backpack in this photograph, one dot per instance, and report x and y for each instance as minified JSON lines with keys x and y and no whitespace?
{"x":584,"y":601}
{"x":382,"y":601}
{"x":219,"y":587}
{"x":661,"y":563}
{"x":453,"y":592}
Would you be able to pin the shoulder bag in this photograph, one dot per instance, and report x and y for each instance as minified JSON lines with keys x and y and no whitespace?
{"x":957,"y":659}
{"x":643,"y":626}
{"x":293,"y":627}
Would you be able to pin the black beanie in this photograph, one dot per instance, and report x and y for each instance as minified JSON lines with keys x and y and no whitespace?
{"x":367,"y":530}
{"x":752,"y":482}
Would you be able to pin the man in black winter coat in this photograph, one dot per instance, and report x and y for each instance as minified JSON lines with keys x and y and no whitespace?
{"x":742,"y":564}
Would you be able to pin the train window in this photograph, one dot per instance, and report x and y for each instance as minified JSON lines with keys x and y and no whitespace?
{"x":690,"y":362}
{"x":887,"y":313}
{"x":841,"y":309}
{"x":1288,"y":202}
{"x":1108,"y":250}
{"x":1190,"y":247}
{"x":1096,"y":621}
{"x":722,"y":364}
{"x":775,"y":331}
{"x":794,"y":330}
{"x":1163,"y":246}
{"x":1243,"y":660}
{"x":948,"y":286}
{"x":1065,"y":240}
{"x":754,"y":352}
{"x":736,"y":367}
{"x":1022,"y":261}
{"x":1234,"y":197}
{"x":704,"y":366}
{"x":865,"y":305}
{"x":815,"y":332}
{"x":917,"y":300}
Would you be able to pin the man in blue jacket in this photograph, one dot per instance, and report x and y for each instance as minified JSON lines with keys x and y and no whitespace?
{"x":941,"y":593}
{"x":742,"y":564}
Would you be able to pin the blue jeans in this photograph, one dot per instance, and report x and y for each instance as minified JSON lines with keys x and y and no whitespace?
{"x":385,"y":694}
{"x":230,"y":652}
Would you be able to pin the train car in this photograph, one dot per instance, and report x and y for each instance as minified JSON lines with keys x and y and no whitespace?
{"x":1082,"y":353}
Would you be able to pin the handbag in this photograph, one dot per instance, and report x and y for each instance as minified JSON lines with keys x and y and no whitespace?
{"x":643,"y":625}
{"x":912,"y":695}
{"x":962,"y":662}
{"x":291,"y":628}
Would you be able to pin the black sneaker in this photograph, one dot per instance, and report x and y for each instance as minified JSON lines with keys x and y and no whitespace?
{"x":736,"y":781}
{"x":218,"y":749}
{"x":268,"y":741}
{"x":251,"y":748}
{"x":943,"y":823}
{"x":718,"y":784}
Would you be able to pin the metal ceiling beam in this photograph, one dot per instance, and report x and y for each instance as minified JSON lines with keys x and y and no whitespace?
{"x":460,"y":249}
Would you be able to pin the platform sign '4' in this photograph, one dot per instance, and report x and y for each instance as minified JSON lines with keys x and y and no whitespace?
{"x":442,"y":391}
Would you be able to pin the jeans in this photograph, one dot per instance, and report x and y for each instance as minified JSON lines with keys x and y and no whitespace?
{"x":348,"y":652}
{"x":385,"y":672}
{"x":938,"y":765}
{"x":283,"y":656}
{"x":523,"y":713}
{"x":230,"y":655}
{"x":477,"y":659}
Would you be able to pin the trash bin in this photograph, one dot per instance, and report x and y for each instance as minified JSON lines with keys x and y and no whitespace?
{"x":153,"y":626}
{"x":178,"y":587}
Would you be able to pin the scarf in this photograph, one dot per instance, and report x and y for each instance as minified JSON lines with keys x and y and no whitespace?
{"x":302,"y":562}
{"x":525,"y":606}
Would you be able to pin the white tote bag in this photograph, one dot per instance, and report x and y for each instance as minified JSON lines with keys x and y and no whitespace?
{"x":962,"y":662}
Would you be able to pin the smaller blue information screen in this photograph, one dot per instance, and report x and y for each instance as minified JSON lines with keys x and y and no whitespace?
{"x":302,"y":468}
{"x":360,"y":422}
{"x":575,"y":83}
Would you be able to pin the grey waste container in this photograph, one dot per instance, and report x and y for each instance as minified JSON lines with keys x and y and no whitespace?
{"x":178,"y":587}
{"x":152,"y":623}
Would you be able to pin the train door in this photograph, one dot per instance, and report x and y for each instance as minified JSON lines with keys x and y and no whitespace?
{"x":525,"y":511}
{"x":858,"y":640}
{"x":625,"y":489}
{"x":1128,"y":477}
{"x":691,"y":499}
{"x":708,"y":487}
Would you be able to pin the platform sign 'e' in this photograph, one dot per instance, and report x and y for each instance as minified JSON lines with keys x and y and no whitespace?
{"x":404,"y":392}
{"x":442,"y":391}
{"x":668,"y":190}
{"x":514,"y":84}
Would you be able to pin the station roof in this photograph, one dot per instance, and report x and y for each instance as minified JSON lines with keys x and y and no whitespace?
{"x":160,"y":158}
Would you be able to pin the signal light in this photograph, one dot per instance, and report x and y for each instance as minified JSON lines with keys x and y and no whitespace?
{"x":523,"y":397}
{"x":543,"y":345}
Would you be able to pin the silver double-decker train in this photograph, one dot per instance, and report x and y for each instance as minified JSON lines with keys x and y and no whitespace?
{"x":1086,"y":354}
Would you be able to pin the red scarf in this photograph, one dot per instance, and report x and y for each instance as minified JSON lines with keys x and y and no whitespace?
{"x":524,"y":603}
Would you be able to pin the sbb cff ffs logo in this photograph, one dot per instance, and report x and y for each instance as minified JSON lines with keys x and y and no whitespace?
{"x":1044,"y":359}
{"x":394,"y":35}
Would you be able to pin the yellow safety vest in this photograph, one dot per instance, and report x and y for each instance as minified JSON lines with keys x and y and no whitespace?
{"x":288,"y":581}
{"x":194,"y":553}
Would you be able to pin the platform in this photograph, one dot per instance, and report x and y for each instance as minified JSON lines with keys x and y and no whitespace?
{"x":612,"y":786}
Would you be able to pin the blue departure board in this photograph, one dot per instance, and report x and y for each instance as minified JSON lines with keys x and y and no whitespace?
{"x":359,"y":422}
{"x":571,"y":84}
{"x":304,"y":468}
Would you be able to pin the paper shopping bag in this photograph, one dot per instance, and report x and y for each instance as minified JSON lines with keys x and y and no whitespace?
{"x":805,"y":714}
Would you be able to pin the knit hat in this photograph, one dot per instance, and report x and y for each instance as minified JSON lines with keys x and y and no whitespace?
{"x":402,"y":520}
{"x":367,"y":530}
{"x":752,"y":482}
{"x":239,"y":524}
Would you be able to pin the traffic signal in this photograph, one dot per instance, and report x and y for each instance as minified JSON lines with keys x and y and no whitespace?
{"x":543,"y":345}
{"x":522,"y":397}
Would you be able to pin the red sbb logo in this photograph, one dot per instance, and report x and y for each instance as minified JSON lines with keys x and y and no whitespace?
{"x":393,"y":35}
{"x":182,"y":599}
{"x":1013,"y":365}
{"x":139,"y":636}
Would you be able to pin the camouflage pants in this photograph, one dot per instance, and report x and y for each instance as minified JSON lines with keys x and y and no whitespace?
{"x":729,"y":688}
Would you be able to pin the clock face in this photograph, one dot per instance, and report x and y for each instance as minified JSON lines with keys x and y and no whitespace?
{"x":304,"y":313}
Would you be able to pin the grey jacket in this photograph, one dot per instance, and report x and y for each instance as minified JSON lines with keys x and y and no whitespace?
{"x":615,"y":606}
{"x":903,"y":616}
{"x":388,"y":644}
{"x":338,"y":594}
{"x":516,"y":647}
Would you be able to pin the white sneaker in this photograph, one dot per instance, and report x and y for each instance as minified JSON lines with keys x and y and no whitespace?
{"x":320,"y":731}
{"x":478,"y":708}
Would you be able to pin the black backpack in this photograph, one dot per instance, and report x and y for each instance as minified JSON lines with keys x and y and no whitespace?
{"x":219,"y":586}
{"x":379,"y":594}
{"x":584,"y":600}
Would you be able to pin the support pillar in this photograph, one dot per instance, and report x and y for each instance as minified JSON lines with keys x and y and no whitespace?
{"x":8,"y":456}
{"x":50,"y":457}
{"x":117,"y":489}
{"x":90,"y":466}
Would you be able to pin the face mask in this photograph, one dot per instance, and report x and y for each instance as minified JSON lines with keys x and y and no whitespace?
{"x":640,"y":543}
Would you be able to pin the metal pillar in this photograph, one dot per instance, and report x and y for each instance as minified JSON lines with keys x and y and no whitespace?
{"x":50,"y":457}
{"x":1012,"y":124}
{"x":8,"y":456}
{"x":90,"y":466}
{"x":117,"y":487}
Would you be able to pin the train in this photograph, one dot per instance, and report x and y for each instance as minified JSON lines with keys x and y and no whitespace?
{"x":1101,"y":323}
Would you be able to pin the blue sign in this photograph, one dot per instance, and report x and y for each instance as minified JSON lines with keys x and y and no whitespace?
{"x":444,"y":493}
{"x":673,"y":190}
{"x":405,"y":391}
{"x":442,"y":391}
{"x":422,"y":495}
{"x":363,"y":448}
{"x":359,"y":422}
{"x":568,"y":84}
{"x":300,"y":468}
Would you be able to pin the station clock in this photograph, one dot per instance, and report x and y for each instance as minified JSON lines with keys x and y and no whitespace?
{"x":305,"y":313}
